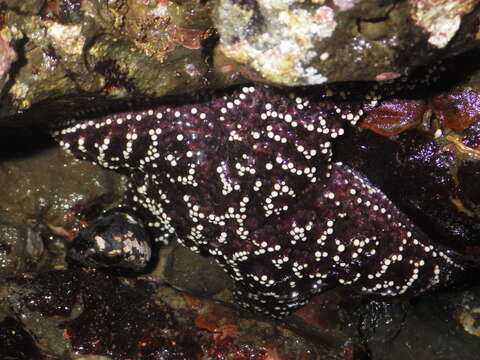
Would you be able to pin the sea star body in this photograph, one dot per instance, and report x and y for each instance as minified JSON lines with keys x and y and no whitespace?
{"x":247,"y":177}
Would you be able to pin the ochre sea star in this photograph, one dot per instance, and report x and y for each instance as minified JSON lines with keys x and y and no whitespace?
{"x":247,"y":177}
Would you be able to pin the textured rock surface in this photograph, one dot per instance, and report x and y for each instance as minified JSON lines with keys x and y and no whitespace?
{"x":71,"y":49}
{"x":311,"y":42}
{"x":16,"y":343}
{"x":90,"y":313}
{"x":448,"y":325}
{"x":41,"y":190}
{"x":75,"y":52}
{"x":7,"y":56}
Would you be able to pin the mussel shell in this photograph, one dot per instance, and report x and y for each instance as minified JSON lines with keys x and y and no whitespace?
{"x":115,"y":239}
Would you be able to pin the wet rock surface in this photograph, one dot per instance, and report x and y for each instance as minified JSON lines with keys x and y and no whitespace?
{"x":7,"y":57}
{"x":72,"y":50}
{"x":62,"y":55}
{"x":395,"y":328}
{"x":16,"y":342}
{"x":302,"y":43}
{"x":41,"y":190}
{"x":21,"y":248}
{"x":93,"y":313}
{"x":200,"y":275}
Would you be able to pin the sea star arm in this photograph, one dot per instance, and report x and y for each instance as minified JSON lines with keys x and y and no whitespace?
{"x":248,"y":178}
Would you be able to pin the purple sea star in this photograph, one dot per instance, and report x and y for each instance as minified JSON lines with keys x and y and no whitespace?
{"x":248,"y":178}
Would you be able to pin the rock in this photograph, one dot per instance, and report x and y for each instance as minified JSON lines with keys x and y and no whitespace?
{"x":446,"y":323}
{"x":465,"y":310}
{"x":468,"y":175}
{"x":92,"y":313}
{"x":7,"y":57}
{"x":73,"y":49}
{"x":303,"y":43}
{"x":195,"y":274}
{"x":75,"y":53}
{"x":21,"y":248}
{"x":16,"y":342}
{"x":58,"y":297}
{"x":43,"y":193}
